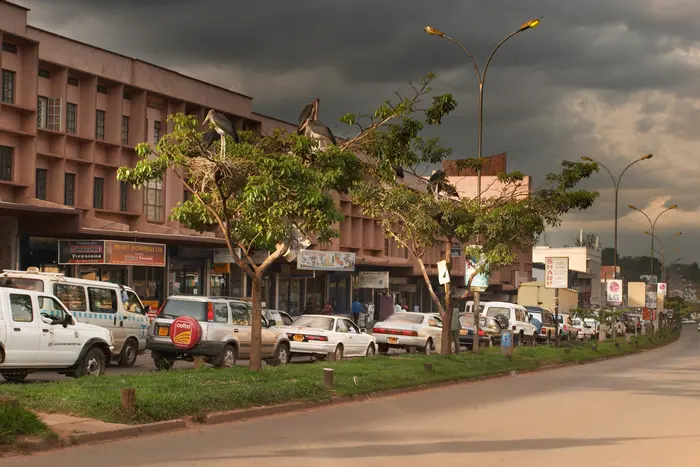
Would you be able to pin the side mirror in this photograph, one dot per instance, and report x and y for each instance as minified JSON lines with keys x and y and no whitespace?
{"x":67,"y":320}
{"x":272,"y":323}
{"x":146,"y":309}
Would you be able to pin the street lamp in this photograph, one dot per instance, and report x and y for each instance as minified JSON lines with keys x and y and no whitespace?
{"x":616,"y":184}
{"x":663,"y":249}
{"x":653,"y":226}
{"x":481,"y":77}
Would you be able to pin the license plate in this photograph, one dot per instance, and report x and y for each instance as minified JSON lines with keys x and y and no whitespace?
{"x":299,"y":338}
{"x":162,"y":331}
{"x":393,"y":340}
{"x":462,"y":332}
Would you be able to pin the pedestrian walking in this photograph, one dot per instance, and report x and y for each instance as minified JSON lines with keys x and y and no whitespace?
{"x":328,"y":309}
{"x":357,"y":308}
{"x":454,"y":331}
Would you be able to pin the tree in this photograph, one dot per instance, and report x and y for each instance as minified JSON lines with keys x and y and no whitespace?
{"x":587,"y":239}
{"x":263,"y":193}
{"x":418,"y":215}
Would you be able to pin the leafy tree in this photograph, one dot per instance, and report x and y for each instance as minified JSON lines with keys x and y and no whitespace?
{"x":590,"y":240}
{"x":264,"y":193}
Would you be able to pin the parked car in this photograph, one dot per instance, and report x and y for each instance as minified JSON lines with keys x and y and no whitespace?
{"x":277,"y":317}
{"x":518,"y":320}
{"x":218,"y":329}
{"x":318,"y":336}
{"x":112,"y":306}
{"x":37,"y":333}
{"x":566,"y":327}
{"x":408,"y":330}
{"x":584,"y":329}
{"x":489,"y":330}
{"x":545,"y":317}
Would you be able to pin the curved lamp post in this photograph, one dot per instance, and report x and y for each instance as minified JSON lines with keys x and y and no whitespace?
{"x":616,"y":184}
{"x":652,"y":224}
{"x":481,"y":77}
{"x":663,"y":250}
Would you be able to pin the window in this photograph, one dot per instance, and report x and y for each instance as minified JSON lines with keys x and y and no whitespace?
{"x":156,"y":132}
{"x":386,"y":247}
{"x":42,"y":110}
{"x":69,"y":191}
{"x":71,"y":118}
{"x":8,"y":86}
{"x":315,"y":321}
{"x":6,"y":156}
{"x":100,"y":124}
{"x":98,"y":193}
{"x":102,"y":300}
{"x":125,"y":129}
{"x":41,"y":183}
{"x":53,"y":121}
{"x":351,"y":327}
{"x":186,"y":195}
{"x":123,"y":196}
{"x":341,"y":326}
{"x":132,"y":303}
{"x":9,"y":47}
{"x":240,"y":314}
{"x":43,"y":73}
{"x":220,"y":313}
{"x":154,"y":201}
{"x":24,"y":284}
{"x":101,"y":89}
{"x":73,"y":81}
{"x":50,"y":306}
{"x":22,"y":310}
{"x":175,"y":308}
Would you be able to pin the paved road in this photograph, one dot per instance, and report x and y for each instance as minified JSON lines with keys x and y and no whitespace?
{"x":637,"y":411}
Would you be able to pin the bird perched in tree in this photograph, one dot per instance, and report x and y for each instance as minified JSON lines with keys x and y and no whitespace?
{"x":438,"y":182}
{"x":311,"y":127}
{"x":223,"y":126}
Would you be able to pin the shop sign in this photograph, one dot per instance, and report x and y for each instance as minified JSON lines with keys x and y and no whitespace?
{"x":556,"y":273}
{"x":223,"y":255}
{"x":326,"y":260}
{"x":221,"y":268}
{"x":81,"y":252}
{"x":373,"y":280}
{"x":135,"y":254}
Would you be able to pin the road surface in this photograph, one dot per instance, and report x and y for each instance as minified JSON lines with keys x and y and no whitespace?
{"x":638,"y":411}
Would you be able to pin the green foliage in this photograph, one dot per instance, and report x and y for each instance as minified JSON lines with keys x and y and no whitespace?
{"x":16,"y":421}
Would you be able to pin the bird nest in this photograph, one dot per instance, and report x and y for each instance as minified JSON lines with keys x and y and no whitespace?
{"x":205,"y":173}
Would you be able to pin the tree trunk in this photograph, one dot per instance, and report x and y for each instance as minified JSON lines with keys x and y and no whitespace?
{"x":446,"y":347}
{"x":255,"y":362}
{"x":426,"y":278}
{"x":476,"y":314}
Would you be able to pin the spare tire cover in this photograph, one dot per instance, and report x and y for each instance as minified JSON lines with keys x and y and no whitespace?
{"x":185,"y":332}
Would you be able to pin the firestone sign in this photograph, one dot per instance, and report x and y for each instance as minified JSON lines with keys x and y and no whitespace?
{"x":111,"y":252}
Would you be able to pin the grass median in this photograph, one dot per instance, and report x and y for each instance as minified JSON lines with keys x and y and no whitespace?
{"x":16,"y":421}
{"x":167,"y":395}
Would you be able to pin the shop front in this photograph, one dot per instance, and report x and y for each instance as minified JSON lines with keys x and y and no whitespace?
{"x":336,"y":268}
{"x":188,"y":271}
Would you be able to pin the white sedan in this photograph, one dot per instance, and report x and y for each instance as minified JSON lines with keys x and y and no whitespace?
{"x":318,"y":336}
{"x":583,"y":328}
{"x":408,"y":330}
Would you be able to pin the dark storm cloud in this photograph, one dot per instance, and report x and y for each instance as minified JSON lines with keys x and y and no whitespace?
{"x":602,"y":78}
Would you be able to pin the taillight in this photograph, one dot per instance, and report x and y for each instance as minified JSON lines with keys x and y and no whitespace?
{"x":481,"y":332}
{"x":565,"y":327}
{"x":409,"y":333}
{"x":513,"y":328}
{"x":210,"y":311}
{"x":378,"y":331}
{"x":398,"y":332}
{"x":317,"y":338}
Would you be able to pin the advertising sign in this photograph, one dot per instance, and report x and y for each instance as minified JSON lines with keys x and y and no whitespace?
{"x":636,"y":294}
{"x":614,"y":292}
{"x":81,"y":252}
{"x":326,"y":260}
{"x":373,"y":280}
{"x":184,"y":332}
{"x":480,"y":282}
{"x":135,"y":254}
{"x":650,"y":291}
{"x":443,"y":274}
{"x":556,"y":273}
{"x":661,"y":288}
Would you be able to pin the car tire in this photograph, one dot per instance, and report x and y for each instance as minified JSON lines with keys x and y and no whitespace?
{"x":338,"y":353}
{"x":383,"y":349}
{"x":282,"y":355}
{"x":129,"y":353}
{"x":162,"y":363}
{"x":428,"y":349}
{"x":15,"y":377}
{"x":228,"y":357}
{"x":521,"y":338}
{"x":92,"y":364}
{"x":371,"y":351}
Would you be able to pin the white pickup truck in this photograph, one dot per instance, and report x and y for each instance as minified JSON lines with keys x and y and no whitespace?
{"x":37,"y":333}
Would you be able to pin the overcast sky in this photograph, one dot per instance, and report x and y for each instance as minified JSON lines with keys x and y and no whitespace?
{"x":609,"y":79}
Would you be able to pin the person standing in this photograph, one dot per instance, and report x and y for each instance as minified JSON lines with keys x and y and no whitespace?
{"x":397,"y":307}
{"x":357,"y":308}
{"x":310,"y":306}
{"x":454,"y":331}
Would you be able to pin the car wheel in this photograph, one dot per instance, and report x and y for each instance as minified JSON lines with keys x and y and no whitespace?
{"x":92,"y":364}
{"x":282,"y":355}
{"x":338,"y":354}
{"x":371,"y":351}
{"x":428,"y":349}
{"x":163,"y":363}
{"x":228,"y":357}
{"x":383,"y":348}
{"x":15,"y":377}
{"x":129,"y":352}
{"x":521,"y":339}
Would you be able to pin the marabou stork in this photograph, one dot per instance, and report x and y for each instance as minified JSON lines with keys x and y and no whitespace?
{"x":438,"y":182}
{"x":311,"y":127}
{"x":223,"y":126}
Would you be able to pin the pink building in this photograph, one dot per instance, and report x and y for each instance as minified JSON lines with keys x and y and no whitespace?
{"x":71,"y":114}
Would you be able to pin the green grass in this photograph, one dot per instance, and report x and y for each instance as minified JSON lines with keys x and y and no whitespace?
{"x":16,"y":421}
{"x":173,"y":394}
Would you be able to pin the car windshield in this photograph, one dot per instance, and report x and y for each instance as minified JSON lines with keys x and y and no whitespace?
{"x":320,"y":322}
{"x":24,"y":284}
{"x":467,"y":319}
{"x":406,"y":318}
{"x":175,"y":308}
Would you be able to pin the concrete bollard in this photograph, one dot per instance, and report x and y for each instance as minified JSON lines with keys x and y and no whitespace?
{"x":628,"y":338}
{"x":198,"y":362}
{"x":128,"y":400}
{"x":328,"y":377}
{"x":507,"y":343}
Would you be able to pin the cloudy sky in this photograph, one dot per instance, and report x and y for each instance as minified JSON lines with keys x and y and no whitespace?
{"x":609,"y":79}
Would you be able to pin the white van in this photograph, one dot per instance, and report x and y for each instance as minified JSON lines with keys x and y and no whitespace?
{"x":518,"y":320}
{"x":111,"y":306}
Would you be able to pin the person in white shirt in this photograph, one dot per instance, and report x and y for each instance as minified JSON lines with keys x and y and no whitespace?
{"x":397,"y":308}
{"x":416,"y":308}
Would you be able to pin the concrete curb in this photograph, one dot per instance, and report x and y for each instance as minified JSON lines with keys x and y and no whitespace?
{"x":215,"y":418}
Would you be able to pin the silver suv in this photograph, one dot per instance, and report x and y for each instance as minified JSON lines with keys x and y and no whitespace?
{"x":213,"y":327}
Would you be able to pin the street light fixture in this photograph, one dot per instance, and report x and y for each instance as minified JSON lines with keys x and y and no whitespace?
{"x":616,"y":184}
{"x":663,"y":250}
{"x":652,"y":224}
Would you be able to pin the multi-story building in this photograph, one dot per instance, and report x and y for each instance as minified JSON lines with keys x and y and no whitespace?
{"x":72,"y":113}
{"x":584,"y":263}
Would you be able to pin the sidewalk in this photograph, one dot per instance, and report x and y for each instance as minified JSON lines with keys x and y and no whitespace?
{"x":67,"y":426}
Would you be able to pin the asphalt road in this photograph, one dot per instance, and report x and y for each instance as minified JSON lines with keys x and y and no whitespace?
{"x":639,"y":411}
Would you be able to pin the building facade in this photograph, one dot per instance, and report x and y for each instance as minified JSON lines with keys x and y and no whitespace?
{"x":71,"y":114}
{"x":584,"y":271}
